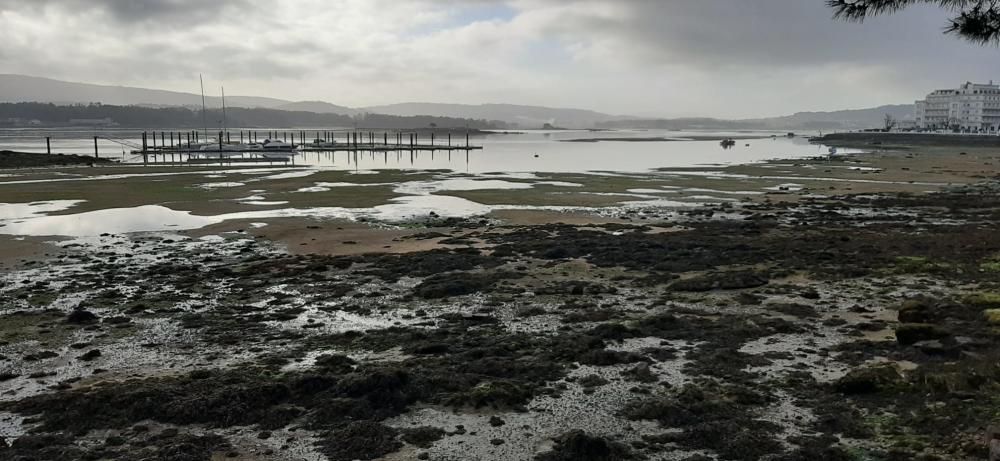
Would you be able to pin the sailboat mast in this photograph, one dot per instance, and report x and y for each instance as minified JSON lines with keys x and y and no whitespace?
{"x":223,"y":109}
{"x":204,"y":118}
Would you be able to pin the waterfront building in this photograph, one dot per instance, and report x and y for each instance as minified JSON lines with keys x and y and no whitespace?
{"x":972,"y":107}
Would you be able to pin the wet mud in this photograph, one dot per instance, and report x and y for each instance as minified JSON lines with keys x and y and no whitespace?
{"x":842,"y":328}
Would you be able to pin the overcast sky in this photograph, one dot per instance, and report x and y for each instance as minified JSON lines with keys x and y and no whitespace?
{"x":722,"y":58}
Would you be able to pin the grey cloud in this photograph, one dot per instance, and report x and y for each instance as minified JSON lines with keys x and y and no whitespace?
{"x":796,"y":32}
{"x":690,"y":56}
{"x":125,"y":12}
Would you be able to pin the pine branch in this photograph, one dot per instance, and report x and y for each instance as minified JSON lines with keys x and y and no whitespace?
{"x":975,"y":20}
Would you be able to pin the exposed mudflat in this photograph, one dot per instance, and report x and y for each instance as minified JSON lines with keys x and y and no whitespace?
{"x":783,"y":325}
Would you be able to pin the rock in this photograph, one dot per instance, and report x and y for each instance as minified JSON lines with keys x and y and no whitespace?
{"x":114,"y":441}
{"x":992,"y":441}
{"x":992,"y":316}
{"x":810,"y":293}
{"x":721,"y":281}
{"x":916,"y":310}
{"x":869,"y":379}
{"x":423,"y":437}
{"x":40,"y":355}
{"x":932,"y":347}
{"x":91,"y":355}
{"x":910,"y":333}
{"x":495,"y":421}
{"x":117,"y":320}
{"x":81,"y":317}
{"x":577,"y":445}
{"x":641,"y":373}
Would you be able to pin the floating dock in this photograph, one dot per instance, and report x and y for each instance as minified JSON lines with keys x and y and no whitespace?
{"x":194,"y":147}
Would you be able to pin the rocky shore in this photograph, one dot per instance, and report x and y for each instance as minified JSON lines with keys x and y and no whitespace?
{"x":10,"y":159}
{"x":840,"y":327}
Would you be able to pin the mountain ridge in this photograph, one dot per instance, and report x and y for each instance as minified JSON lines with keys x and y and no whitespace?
{"x":22,"y":88}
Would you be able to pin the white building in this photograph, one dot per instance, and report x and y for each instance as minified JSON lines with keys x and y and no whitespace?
{"x":973,"y":107}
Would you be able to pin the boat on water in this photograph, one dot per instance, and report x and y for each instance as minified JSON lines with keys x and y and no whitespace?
{"x":320,"y":144}
{"x":728,"y":142}
{"x":272,"y":145}
{"x":275,"y":149}
{"x":231,"y":147}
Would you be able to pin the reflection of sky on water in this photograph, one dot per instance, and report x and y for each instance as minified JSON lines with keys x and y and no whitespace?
{"x":536,"y":153}
{"x":112,"y":221}
{"x":10,"y":211}
{"x":531,"y":151}
{"x":507,"y":157}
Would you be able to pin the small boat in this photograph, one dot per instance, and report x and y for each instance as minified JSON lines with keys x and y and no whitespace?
{"x":320,"y":144}
{"x":727,"y":143}
{"x":270,"y":145}
{"x":230,"y":147}
{"x":274,"y":149}
{"x":279,"y":155}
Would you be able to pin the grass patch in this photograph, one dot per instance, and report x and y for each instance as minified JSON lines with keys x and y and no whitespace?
{"x":983,"y":299}
{"x":919,"y":265}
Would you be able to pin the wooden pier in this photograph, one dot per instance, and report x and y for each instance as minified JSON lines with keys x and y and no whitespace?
{"x":173,"y":147}
{"x":195,"y":147}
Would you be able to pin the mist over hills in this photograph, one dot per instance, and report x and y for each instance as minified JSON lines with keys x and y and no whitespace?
{"x":834,"y":120}
{"x":526,"y":116}
{"x":21,"y":88}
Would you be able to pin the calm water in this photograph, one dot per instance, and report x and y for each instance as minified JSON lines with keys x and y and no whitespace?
{"x":533,"y":151}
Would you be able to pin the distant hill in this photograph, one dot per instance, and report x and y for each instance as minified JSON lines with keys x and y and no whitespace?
{"x":319,"y":107}
{"x":834,"y":120}
{"x":22,"y":88}
{"x":524,"y":116}
{"x":40,"y":115}
{"x":842,"y":119}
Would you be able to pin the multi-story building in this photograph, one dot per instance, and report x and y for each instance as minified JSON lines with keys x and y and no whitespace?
{"x":973,"y":107}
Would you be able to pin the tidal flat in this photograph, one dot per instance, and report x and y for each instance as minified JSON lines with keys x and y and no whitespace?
{"x":834,"y":309}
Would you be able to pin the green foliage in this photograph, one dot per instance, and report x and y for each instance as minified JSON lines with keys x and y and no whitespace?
{"x":983,"y":299}
{"x":975,"y":20}
{"x":918,"y":265}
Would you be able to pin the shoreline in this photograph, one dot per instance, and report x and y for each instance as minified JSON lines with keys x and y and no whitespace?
{"x":787,"y":320}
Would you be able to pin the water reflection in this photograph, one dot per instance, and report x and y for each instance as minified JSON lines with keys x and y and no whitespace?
{"x":530,"y":151}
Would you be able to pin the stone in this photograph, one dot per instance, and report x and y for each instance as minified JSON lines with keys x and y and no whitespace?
{"x":869,"y":379}
{"x":90,"y":355}
{"x":992,"y":316}
{"x":81,"y":317}
{"x":911,"y":333}
{"x":993,"y":442}
{"x":931,"y":347}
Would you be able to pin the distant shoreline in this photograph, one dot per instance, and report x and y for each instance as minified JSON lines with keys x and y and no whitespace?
{"x":665,"y":139}
{"x":11,"y":159}
{"x":887,"y":140}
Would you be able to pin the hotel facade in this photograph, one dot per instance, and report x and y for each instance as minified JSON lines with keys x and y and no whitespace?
{"x":973,"y":107}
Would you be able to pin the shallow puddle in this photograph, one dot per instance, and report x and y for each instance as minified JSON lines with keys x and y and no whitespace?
{"x":29,"y":210}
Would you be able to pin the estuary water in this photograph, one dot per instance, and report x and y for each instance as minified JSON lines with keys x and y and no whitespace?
{"x":530,"y":151}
